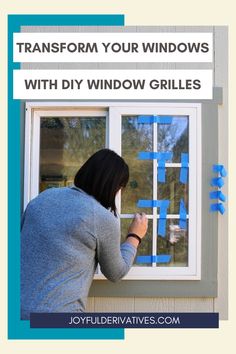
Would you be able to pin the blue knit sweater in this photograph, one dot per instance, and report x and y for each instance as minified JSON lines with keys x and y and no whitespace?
{"x":65,"y":233}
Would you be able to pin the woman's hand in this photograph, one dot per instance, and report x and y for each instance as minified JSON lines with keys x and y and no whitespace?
{"x":139,"y":225}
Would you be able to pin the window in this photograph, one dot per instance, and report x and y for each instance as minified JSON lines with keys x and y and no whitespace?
{"x":159,"y":142}
{"x":65,"y":144}
{"x":57,"y":142}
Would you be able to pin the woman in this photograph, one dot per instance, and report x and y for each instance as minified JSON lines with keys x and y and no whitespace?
{"x":66,"y":232}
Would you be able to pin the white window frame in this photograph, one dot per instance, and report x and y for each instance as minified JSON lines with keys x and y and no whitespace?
{"x":32,"y":142}
{"x":114,"y":111}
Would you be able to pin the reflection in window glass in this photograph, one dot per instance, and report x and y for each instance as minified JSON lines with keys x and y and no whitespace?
{"x":175,"y":244}
{"x":173,"y":190}
{"x":145,"y":248}
{"x":174,"y":137}
{"x":135,"y":138}
{"x":65,"y":144}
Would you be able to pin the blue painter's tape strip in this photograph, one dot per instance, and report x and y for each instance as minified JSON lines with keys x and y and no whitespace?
{"x":161,"y":171}
{"x":218,"y":195}
{"x":183,"y":224}
{"x":148,"y":203}
{"x":145,"y":155}
{"x":217,"y":182}
{"x":143,"y":203}
{"x":146,"y":119}
{"x":184,"y":168}
{"x":217,"y":207}
{"x":220,"y":169}
{"x":164,"y":156}
{"x":164,"y":119}
{"x":144,"y":259}
{"x":184,"y":159}
{"x":221,"y":208}
{"x":155,"y":119}
{"x":163,"y":258}
{"x":161,"y":231}
{"x":182,"y":215}
{"x":163,"y":205}
{"x":150,"y":155}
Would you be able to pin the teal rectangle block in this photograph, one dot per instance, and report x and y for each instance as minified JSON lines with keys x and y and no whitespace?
{"x":18,"y":329}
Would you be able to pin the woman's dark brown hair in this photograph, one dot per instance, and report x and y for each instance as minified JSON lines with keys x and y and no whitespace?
{"x":102,"y":175}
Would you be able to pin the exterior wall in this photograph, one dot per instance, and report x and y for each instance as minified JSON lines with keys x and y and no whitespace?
{"x":219,"y":66}
{"x":220,"y":78}
{"x":149,"y":304}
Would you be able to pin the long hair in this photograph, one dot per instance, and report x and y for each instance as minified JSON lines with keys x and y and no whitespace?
{"x":101,"y":176}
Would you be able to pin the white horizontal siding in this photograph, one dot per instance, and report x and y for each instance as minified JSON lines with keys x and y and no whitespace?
{"x":147,"y":304}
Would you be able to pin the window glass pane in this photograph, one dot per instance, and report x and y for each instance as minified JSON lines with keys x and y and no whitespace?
{"x":175,"y":244}
{"x":65,"y":144}
{"x":174,"y":137}
{"x":135,"y":138}
{"x":173,"y":190}
{"x":145,"y":248}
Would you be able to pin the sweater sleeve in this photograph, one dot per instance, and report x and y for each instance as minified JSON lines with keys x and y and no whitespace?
{"x":115,"y":260}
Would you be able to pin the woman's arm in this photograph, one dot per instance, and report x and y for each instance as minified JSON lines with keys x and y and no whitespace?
{"x":115,"y":260}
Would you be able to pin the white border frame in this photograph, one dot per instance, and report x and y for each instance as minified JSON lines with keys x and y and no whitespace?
{"x":35,"y":110}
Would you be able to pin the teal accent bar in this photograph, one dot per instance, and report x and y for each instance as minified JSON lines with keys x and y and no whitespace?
{"x":65,"y":20}
{"x":18,"y":329}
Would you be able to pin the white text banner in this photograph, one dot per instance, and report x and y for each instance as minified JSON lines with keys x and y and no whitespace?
{"x":113,"y":84}
{"x":113,"y":47}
